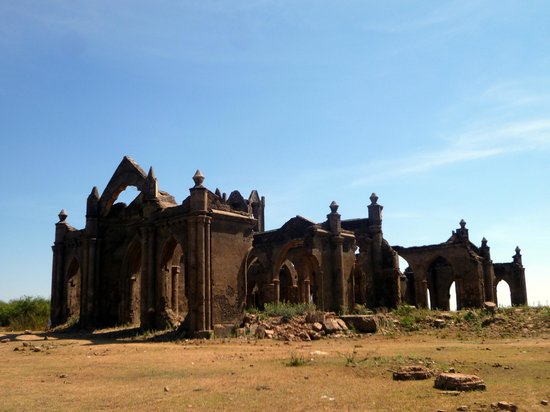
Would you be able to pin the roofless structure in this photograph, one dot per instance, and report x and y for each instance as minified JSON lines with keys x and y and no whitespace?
{"x":155,"y":262}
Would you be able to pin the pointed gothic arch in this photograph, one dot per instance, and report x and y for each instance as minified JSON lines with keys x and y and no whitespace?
{"x":128,"y":173}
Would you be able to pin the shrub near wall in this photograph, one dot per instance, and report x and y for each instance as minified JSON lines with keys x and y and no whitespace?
{"x":25,"y":313}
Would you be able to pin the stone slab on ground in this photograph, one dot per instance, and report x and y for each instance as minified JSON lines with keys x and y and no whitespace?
{"x":361,"y":323}
{"x":459,"y":382}
{"x":412,"y":373}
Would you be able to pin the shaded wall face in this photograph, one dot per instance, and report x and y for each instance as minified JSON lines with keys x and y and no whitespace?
{"x":73,"y":286}
{"x":229,"y":249}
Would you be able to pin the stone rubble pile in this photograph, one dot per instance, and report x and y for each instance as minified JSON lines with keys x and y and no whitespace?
{"x":312,"y":326}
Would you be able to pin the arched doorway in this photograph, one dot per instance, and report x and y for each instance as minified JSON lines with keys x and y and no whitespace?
{"x":287,"y":282}
{"x":504,"y":295}
{"x":255,"y":294}
{"x":174,"y":278}
{"x":130,"y":303}
{"x":307,"y":275}
{"x":74,"y":282}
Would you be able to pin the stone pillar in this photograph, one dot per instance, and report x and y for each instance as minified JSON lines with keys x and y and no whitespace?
{"x":488,"y":272}
{"x":147,"y":288}
{"x":337,"y":242}
{"x":58,"y":305}
{"x":375,"y":229}
{"x":519,"y":291}
{"x":89,"y":275}
{"x":200,"y":222}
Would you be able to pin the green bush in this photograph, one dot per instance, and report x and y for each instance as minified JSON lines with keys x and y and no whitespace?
{"x":25,"y":313}
{"x":288,"y":310}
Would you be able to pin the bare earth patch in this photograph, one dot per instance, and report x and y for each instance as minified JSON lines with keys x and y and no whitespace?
{"x":91,"y":372}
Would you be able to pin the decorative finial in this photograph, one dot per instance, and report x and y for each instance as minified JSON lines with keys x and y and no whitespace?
{"x":198,"y":178}
{"x":517,"y":250}
{"x":373,"y":198}
{"x":62,"y":215}
{"x":151,"y":174}
{"x":462,"y":224}
{"x":334,"y":207}
{"x":483,"y":242}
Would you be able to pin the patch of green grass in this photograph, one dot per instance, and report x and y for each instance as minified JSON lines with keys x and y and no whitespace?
{"x":288,"y":310}
{"x":295,"y":360}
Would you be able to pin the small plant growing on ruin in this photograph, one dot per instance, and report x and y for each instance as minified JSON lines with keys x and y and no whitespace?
{"x":350,"y":357}
{"x":295,"y":360}
{"x":288,"y":310}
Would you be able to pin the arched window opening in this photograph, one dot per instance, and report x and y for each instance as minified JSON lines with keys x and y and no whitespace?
{"x":173,"y":270}
{"x":285,"y":282}
{"x":504,"y":296}
{"x":128,"y":195}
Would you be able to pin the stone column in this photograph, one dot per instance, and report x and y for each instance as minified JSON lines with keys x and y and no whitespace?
{"x":58,"y":305}
{"x":337,"y":243}
{"x":200,"y":222}
{"x":488,"y":272}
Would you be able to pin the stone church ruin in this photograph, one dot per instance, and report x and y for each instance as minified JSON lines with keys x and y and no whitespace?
{"x":156,"y":262}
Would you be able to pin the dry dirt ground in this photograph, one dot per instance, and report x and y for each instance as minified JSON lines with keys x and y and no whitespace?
{"x":106,"y":371}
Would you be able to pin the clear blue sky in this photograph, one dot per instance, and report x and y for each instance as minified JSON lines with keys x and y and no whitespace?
{"x":442,"y":108}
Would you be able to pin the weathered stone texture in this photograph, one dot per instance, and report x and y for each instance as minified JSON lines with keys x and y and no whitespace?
{"x":155,"y":262}
{"x":459,"y":382}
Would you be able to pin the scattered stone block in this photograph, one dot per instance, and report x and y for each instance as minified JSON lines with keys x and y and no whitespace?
{"x":315,"y":317}
{"x":412,"y":373}
{"x":341,"y":323}
{"x":506,"y":406}
{"x":331,"y":326}
{"x":490,"y":306}
{"x":5,"y":340}
{"x":317,"y":327}
{"x":459,"y":382}
{"x":544,"y":402}
{"x":361,"y":323}
{"x":462,"y":408}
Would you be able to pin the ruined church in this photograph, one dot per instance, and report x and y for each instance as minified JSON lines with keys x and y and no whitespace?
{"x":154,"y":261}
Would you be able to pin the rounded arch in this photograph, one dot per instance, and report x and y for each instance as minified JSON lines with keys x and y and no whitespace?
{"x":282,"y":255}
{"x":288,"y":282}
{"x":255,"y":284}
{"x":130,"y":302}
{"x":440,"y":276}
{"x":174,"y":277}
{"x":308,"y":279}
{"x":74,"y":289}
{"x":504,"y":294}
